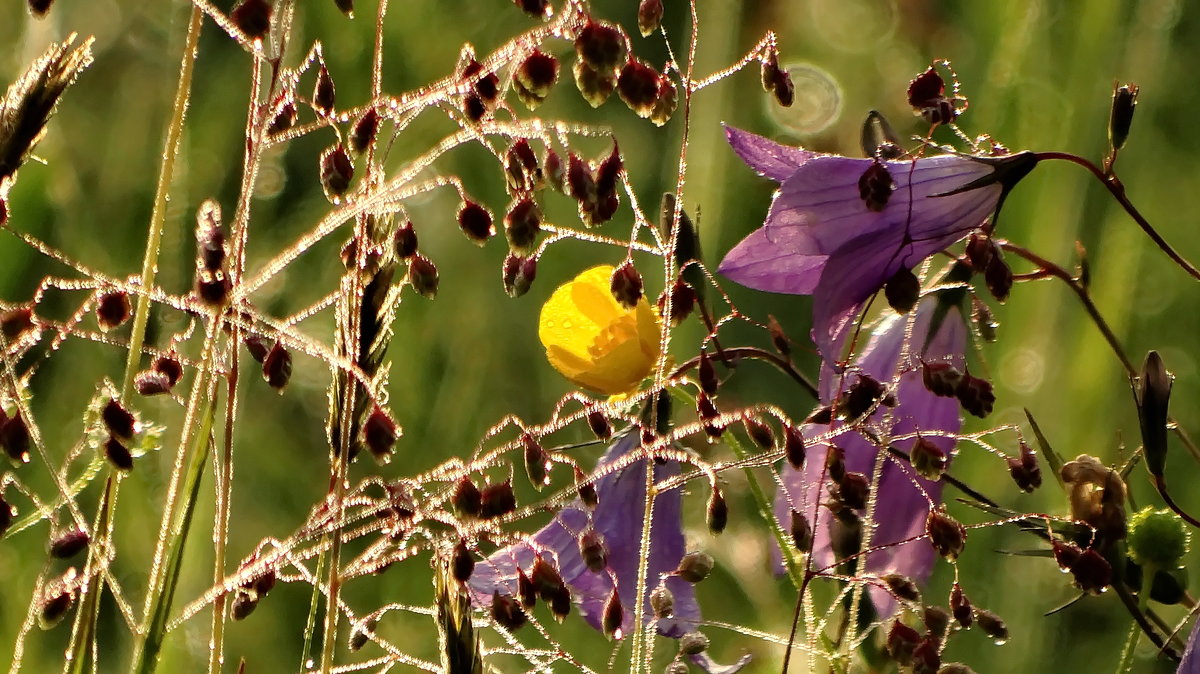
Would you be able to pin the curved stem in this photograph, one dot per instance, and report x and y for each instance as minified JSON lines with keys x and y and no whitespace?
{"x":731,"y":355}
{"x":1114,"y":186}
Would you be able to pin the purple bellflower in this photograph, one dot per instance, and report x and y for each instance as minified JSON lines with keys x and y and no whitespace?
{"x":1190,"y":664}
{"x":839,"y":228}
{"x":618,"y":518}
{"x":902,"y":497}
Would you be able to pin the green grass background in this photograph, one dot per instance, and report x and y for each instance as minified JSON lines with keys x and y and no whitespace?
{"x":1038,"y":74}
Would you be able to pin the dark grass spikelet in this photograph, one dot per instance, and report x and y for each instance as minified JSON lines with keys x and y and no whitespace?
{"x":506,"y":610}
{"x":626,"y":285}
{"x":15,"y":438}
{"x":7,"y":513}
{"x":717,"y":512}
{"x":613,"y":615}
{"x":113,"y":310}
{"x":118,"y":455}
{"x":30,"y":101}
{"x":277,"y":367}
{"x":68,"y":543}
{"x":252,"y":17}
{"x":662,"y":601}
{"x":497,"y":500}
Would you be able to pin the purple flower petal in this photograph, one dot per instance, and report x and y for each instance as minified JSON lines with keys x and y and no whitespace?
{"x":1190,"y":664}
{"x":902,"y":499}
{"x":618,"y":519}
{"x":769,"y":158}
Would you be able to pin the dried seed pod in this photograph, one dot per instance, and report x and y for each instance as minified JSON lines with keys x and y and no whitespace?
{"x":960,"y":607}
{"x":794,"y":446}
{"x":284,"y":118}
{"x":507,"y":612}
{"x":14,"y":436}
{"x":380,"y":434}
{"x":759,"y":432}
{"x":594,"y":85}
{"x":257,"y":346}
{"x":497,"y":500}
{"x":902,"y":640}
{"x":68,"y":543}
{"x":694,"y":566}
{"x":476,"y":222}
{"x":119,"y":421}
{"x":113,"y":309}
{"x":601,"y":46}
{"x":462,"y":564}
{"x":521,"y":170}
{"x":650,"y":15}
{"x":537,"y":462}
{"x":118,"y":455}
{"x":992,"y":625}
{"x":626,"y":285}
{"x":975,"y":395}
{"x":863,"y":395}
{"x":1025,"y":470}
{"x":586,"y":490}
{"x":535,"y":78}
{"x":637,"y":85}
{"x":717,"y":513}
{"x":875,"y":187}
{"x":169,"y":366}
{"x":853,"y":490}
{"x":423,"y":276}
{"x":58,"y":596}
{"x":941,"y":379}
{"x":902,"y":291}
{"x":324,"y":94}
{"x":802,"y":532}
{"x":277,"y":367}
{"x":15,"y":324}
{"x":466,"y":498}
{"x":213,"y":288}
{"x":337,"y":171}
{"x":613,"y":615}
{"x":244,"y":603}
{"x":928,"y":459}
{"x":902,"y":586}
{"x":364,"y":131}
{"x":662,"y":601}
{"x":693,"y":643}
{"x":927,"y":96}
{"x":666,"y":103}
{"x":252,"y":17}
{"x":600,"y":425}
{"x":947,"y":534}
{"x":361,"y":632}
{"x":683,"y":302}
{"x":522,"y":224}
{"x":405,"y":241}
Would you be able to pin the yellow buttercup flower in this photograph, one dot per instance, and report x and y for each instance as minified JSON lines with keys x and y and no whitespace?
{"x":593,"y":340}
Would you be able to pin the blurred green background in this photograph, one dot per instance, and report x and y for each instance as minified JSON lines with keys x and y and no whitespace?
{"x":1039,"y":75}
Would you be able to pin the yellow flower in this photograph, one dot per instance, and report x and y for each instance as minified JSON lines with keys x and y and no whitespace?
{"x":594,"y":341}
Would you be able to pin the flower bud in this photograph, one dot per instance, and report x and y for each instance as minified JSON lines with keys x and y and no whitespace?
{"x":476,"y":222}
{"x":975,"y":395}
{"x":941,"y":379}
{"x":1124,"y":101}
{"x":252,"y":17}
{"x":947,"y":534}
{"x":462,"y":565}
{"x":15,"y":438}
{"x":961,"y":607}
{"x":992,"y":625}
{"x":405,"y":241}
{"x":66,"y":544}
{"x":362,"y":135}
{"x":902,"y":640}
{"x":380,"y":434}
{"x":928,"y":459}
{"x":694,"y":566}
{"x":650,"y":15}
{"x":522,"y":224}
{"x":902,"y":291}
{"x":717,"y":511}
{"x":113,"y":309}
{"x":1157,"y":538}
{"x":802,"y":533}
{"x":580,"y":183}
{"x":662,"y":601}
{"x":537,"y":462}
{"x":118,"y":455}
{"x":593,"y":550}
{"x":535,"y":8}
{"x":466,"y":498}
{"x":213,"y":288}
{"x":497,"y":500}
{"x":759,"y":432}
{"x":337,"y":170}
{"x":277,"y":367}
{"x":626,"y":285}
{"x":423,"y":276}
{"x":210,"y":236}
{"x":535,"y":77}
{"x":507,"y":611}
{"x":323,"y":92}
{"x":1153,"y":398}
{"x":613,"y":615}
{"x":693,"y":643}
